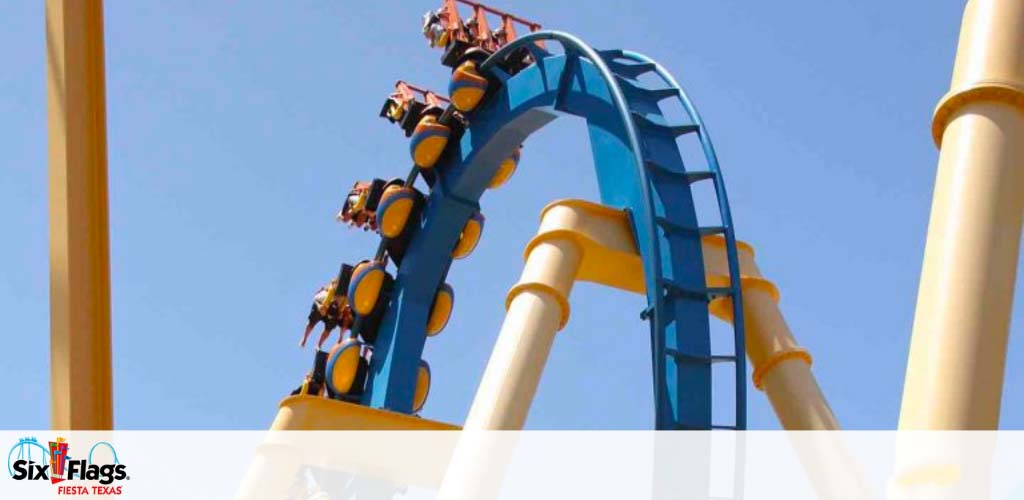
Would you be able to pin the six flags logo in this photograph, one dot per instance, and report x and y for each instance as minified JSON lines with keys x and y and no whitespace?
{"x":57,"y":465}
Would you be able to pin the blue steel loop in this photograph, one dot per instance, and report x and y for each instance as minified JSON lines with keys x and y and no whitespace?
{"x":402,"y":344}
{"x":112,"y":451}
{"x":739,"y":334}
{"x":573,"y":44}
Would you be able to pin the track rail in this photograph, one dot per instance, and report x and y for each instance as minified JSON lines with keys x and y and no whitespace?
{"x":739,"y":337}
{"x":640,"y":170}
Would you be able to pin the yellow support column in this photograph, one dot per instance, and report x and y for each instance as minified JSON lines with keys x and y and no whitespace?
{"x":782,"y":369}
{"x":954,"y":376}
{"x":577,"y":241}
{"x":584,"y":241}
{"x":80,"y":372}
{"x":538,"y":307}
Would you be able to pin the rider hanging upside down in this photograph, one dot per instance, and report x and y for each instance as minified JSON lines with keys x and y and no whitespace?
{"x":332,"y":309}
{"x":330,"y":306}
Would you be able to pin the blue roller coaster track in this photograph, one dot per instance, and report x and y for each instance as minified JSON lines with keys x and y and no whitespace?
{"x":24,"y":449}
{"x":640,"y":169}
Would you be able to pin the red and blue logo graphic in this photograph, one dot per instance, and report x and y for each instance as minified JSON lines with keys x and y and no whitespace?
{"x":58,"y":460}
{"x":29,"y":460}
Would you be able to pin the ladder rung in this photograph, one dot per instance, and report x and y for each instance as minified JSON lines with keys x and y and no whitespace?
{"x":690,"y":358}
{"x":661,"y":168}
{"x":657,"y":94}
{"x":703,"y":294}
{"x":660,"y":93}
{"x":675,"y":130}
{"x":706,"y":293}
{"x":699,"y":175}
{"x":630,"y":70}
{"x":610,"y":54}
{"x":703,"y":231}
{"x":690,"y":177}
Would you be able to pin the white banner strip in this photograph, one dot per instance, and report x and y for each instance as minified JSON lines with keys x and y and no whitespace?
{"x":513,"y":465}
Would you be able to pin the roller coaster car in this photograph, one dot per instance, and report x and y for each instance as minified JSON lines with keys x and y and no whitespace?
{"x":355,"y":393}
{"x":407,"y":114}
{"x":368,"y":287}
{"x":393,"y":109}
{"x":446,"y":28}
{"x":338,"y":287}
{"x":432,"y":135}
{"x":344,"y":277}
{"x":397,"y":246}
{"x":369,"y":325}
{"x":458,"y":52}
{"x":516,"y":61}
{"x":361,"y":204}
{"x":506,"y":169}
{"x":398,"y":209}
{"x":417,"y":111}
{"x":441,"y":309}
{"x":470,"y":236}
{"x":405,"y":108}
{"x":390,"y":208}
{"x":422,"y":387}
{"x":467,"y":86}
{"x":314,"y":383}
{"x":346,"y":370}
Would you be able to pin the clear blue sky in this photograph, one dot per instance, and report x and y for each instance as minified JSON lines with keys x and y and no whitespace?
{"x":235,"y":129}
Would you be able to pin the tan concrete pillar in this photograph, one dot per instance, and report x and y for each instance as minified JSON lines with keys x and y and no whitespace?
{"x":80,"y":370}
{"x":538,"y":307}
{"x":954,"y":376}
{"x":782,"y":369}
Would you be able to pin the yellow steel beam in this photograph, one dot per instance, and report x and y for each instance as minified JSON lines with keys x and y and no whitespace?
{"x":306,"y":413}
{"x":80,"y":372}
{"x":583,"y":241}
